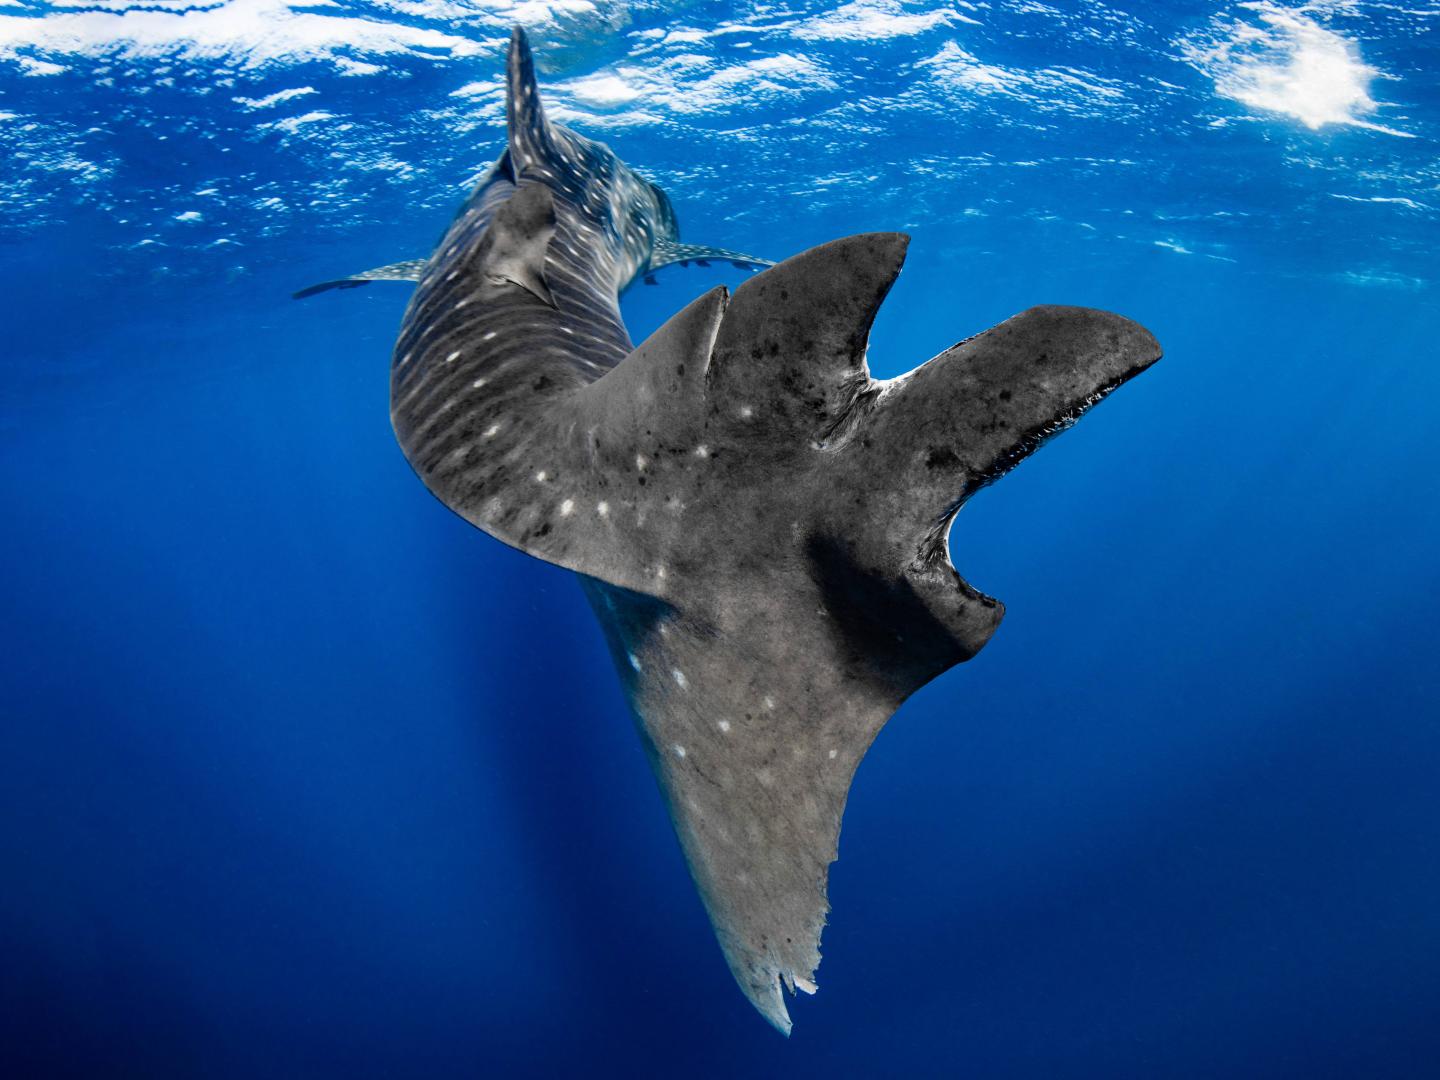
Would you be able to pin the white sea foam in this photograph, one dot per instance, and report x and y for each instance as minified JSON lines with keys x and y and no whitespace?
{"x":1381,"y":279}
{"x":870,"y":20}
{"x":292,"y":124}
{"x":1282,"y":60}
{"x":603,"y":91}
{"x":1064,"y":89}
{"x":248,"y":33}
{"x":682,"y":84}
{"x":276,"y":98}
{"x":1391,"y":200}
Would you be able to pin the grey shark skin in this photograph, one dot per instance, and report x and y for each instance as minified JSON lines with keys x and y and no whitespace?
{"x":759,"y":525}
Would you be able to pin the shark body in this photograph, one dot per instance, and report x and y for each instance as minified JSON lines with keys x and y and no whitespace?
{"x":760,"y":527}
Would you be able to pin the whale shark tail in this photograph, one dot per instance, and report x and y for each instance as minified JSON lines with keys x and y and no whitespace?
{"x":763,"y":660}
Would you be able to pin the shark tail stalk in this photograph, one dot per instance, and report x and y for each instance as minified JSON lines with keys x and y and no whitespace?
{"x":760,"y":527}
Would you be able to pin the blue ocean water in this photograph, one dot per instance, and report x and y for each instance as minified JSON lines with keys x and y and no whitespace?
{"x":300,"y":775}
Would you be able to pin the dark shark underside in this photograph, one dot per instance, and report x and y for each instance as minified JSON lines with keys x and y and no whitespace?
{"x":760,"y":527}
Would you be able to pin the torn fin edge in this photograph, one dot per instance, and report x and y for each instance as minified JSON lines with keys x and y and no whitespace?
{"x":772,"y":1005}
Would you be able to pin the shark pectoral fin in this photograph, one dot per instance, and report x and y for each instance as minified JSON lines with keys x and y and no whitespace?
{"x":792,"y":345}
{"x":670,"y":252}
{"x":517,"y":240}
{"x":409,"y":271}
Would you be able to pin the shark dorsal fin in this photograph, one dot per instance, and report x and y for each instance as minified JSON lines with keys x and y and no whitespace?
{"x":529,"y":138}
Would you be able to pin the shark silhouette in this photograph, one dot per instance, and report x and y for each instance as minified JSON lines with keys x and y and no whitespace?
{"x":760,"y":526}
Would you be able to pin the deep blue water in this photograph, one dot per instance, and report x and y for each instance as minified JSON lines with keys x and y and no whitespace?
{"x":300,"y":775}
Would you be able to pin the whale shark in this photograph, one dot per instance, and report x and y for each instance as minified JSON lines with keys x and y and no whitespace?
{"x":760,"y":526}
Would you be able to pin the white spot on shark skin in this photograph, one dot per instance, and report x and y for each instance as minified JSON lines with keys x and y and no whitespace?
{"x":478,"y":383}
{"x":491,"y":431}
{"x":834,"y":754}
{"x":634,"y":661}
{"x":603,"y":509}
{"x":490,"y":335}
{"x":679,"y":750}
{"x":567,"y":507}
{"x":680,"y":679}
{"x":769,"y":702}
{"x":724,"y":725}
{"x":453,"y":357}
{"x":640,"y":462}
{"x":746,"y":412}
{"x":542,"y":476}
{"x":702,"y":451}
